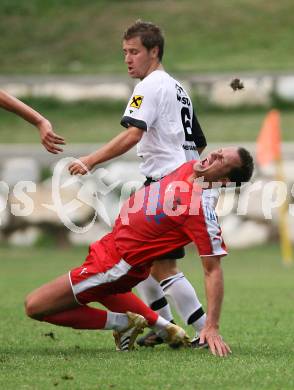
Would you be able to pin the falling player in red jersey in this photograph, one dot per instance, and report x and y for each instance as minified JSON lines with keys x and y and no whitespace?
{"x":156,"y":219}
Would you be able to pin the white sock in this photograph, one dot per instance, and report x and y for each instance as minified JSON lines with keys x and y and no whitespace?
{"x":183,"y":296}
{"x":153,"y":295}
{"x":116,"y":321}
{"x":159,"y":326}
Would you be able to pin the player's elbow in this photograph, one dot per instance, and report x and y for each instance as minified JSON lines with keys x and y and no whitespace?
{"x":211,"y":265}
{"x":135,"y":134}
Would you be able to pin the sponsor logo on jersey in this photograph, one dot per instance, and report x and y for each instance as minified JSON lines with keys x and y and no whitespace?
{"x":182,"y":96}
{"x":189,"y":147}
{"x":179,"y":89}
{"x":83,"y":271}
{"x":184,"y":100}
{"x":136,"y":101}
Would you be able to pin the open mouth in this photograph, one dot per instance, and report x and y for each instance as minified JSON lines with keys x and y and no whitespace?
{"x":208,"y":161}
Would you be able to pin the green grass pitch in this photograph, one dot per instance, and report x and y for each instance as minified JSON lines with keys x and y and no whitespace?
{"x":257,"y":322}
{"x":50,"y":36}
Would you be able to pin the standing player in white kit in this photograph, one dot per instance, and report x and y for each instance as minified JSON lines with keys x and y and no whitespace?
{"x":160,"y":119}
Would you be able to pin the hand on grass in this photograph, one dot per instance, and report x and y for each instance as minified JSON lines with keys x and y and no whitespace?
{"x":216,"y":344}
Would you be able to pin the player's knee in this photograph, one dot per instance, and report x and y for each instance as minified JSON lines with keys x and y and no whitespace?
{"x":31,"y":308}
{"x":163,"y":269}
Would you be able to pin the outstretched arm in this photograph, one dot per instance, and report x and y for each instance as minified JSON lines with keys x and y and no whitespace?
{"x":117,"y":146}
{"x":214,"y":286}
{"x":49,"y":139}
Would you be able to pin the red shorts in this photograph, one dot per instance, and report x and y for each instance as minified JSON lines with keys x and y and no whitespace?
{"x":104,"y":272}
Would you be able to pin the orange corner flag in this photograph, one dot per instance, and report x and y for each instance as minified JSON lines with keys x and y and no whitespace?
{"x":268,"y":149}
{"x":269,"y":140}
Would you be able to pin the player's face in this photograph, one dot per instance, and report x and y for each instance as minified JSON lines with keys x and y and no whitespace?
{"x":139,"y":60}
{"x":218,"y":164}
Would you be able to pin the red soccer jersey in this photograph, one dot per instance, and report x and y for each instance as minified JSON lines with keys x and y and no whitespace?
{"x":167,"y":215}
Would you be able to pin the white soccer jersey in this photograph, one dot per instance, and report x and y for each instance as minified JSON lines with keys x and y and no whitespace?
{"x":160,"y":106}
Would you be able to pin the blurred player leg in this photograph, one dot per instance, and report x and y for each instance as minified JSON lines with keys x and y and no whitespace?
{"x":180,"y":292}
{"x":153,"y":295}
{"x":183,"y":296}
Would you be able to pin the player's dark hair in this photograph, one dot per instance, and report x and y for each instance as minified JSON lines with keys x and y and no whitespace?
{"x":150,"y":34}
{"x":243,"y":173}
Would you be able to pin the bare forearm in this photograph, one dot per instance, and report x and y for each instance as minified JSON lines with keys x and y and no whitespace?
{"x":12,"y":104}
{"x":214,"y":287}
{"x":49,"y":138}
{"x":116,"y":147}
